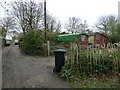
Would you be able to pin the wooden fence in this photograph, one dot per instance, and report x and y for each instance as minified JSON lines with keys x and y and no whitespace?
{"x":94,"y":60}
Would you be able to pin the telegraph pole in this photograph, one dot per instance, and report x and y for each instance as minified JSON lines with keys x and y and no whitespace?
{"x":45,"y":36}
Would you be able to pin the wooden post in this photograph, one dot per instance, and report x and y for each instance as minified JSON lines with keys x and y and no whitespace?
{"x":72,"y":53}
{"x":66,"y":58}
{"x":99,"y":58}
{"x":77,"y":53}
{"x":48,"y":47}
{"x":79,"y":50}
{"x":91,"y":53}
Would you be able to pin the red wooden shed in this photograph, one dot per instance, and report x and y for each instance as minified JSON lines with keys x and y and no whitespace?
{"x":100,"y":39}
{"x":83,"y":39}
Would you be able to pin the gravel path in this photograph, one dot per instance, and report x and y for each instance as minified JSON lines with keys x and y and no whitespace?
{"x":21,"y":71}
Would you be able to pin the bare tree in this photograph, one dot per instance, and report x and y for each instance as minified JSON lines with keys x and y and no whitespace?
{"x":104,"y":23}
{"x":13,"y":34}
{"x":109,"y":26}
{"x":58,"y":27}
{"x":53,"y":25}
{"x":29,"y":15}
{"x":84,"y":26}
{"x":73,"y":25}
{"x":7,"y":24}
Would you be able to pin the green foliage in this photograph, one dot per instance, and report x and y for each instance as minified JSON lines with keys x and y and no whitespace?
{"x":0,"y":32}
{"x":32,"y":43}
{"x":109,"y":26}
{"x":54,"y":44}
{"x":92,"y":62}
{"x":99,"y":63}
{"x":52,"y":37}
{"x":66,"y":71}
{"x":95,"y":82}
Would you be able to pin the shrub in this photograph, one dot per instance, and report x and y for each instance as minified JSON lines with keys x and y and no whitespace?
{"x":66,"y":71}
{"x":33,"y":43}
{"x":52,"y":37}
{"x":55,"y":44}
{"x":92,"y":62}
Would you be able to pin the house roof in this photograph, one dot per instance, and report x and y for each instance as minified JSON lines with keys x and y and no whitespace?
{"x":101,"y":34}
{"x":70,"y":37}
{"x":96,"y":33}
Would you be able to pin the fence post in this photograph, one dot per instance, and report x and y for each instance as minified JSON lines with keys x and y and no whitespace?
{"x":72,"y":61}
{"x":48,"y":47}
{"x":77,"y":53}
{"x":90,"y":59}
{"x":99,"y":60}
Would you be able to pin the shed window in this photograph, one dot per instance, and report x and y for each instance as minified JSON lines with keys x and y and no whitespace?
{"x":97,"y":36}
{"x":83,"y":38}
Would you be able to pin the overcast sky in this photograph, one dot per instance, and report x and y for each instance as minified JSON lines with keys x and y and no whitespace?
{"x":89,"y":10}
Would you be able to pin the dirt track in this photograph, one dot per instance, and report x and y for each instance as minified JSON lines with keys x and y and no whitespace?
{"x":21,"y":71}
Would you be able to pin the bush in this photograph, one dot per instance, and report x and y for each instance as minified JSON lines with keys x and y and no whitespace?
{"x":52,"y":37}
{"x":33,"y":43}
{"x":66,"y":71}
{"x":92,"y":63}
{"x":55,"y":44}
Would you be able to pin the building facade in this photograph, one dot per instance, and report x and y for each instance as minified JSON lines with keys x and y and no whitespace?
{"x":100,"y":39}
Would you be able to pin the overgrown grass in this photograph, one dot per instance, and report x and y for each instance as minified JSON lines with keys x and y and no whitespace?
{"x":95,"y":68}
{"x":95,"y":82}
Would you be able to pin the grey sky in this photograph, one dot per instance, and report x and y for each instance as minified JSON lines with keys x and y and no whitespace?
{"x":89,"y":10}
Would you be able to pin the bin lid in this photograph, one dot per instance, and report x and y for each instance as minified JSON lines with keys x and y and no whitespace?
{"x":60,"y":50}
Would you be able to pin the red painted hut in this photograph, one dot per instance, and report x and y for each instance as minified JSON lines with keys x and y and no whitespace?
{"x":100,"y":39}
{"x":83,"y":39}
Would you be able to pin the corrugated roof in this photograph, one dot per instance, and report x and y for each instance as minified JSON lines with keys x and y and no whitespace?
{"x":70,"y":37}
{"x":74,"y":34}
